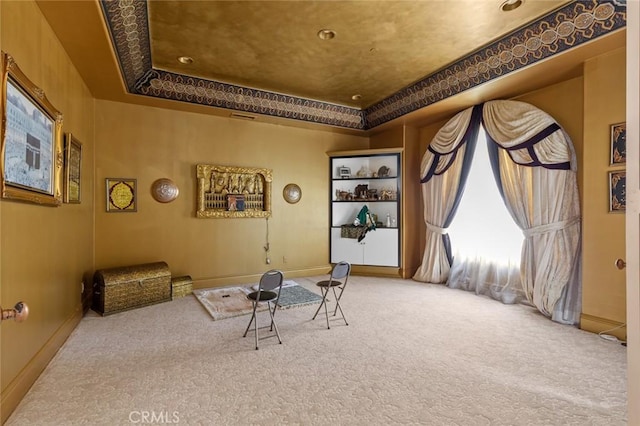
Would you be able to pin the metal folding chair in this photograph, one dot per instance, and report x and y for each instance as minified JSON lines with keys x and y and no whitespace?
{"x":268,"y":291}
{"x":337,"y":280}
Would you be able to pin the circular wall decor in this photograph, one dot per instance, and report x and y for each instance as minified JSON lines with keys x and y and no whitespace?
{"x":292,"y":193}
{"x":164,"y":190}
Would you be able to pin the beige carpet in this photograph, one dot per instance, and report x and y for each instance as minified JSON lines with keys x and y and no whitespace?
{"x":412,"y":354}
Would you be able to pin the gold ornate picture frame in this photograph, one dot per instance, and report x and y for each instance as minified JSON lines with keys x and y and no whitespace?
{"x":31,"y":140}
{"x":72,"y":168}
{"x":618,"y":152}
{"x":121,"y":195}
{"x":221,"y":187}
{"x":617,"y":191}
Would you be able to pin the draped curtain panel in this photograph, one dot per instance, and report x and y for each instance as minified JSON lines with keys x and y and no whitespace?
{"x":534,"y":166}
{"x":444,"y":169}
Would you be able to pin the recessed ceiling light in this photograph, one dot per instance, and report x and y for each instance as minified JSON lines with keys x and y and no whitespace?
{"x":326,"y":34}
{"x":510,"y":5}
{"x":356,"y":97}
{"x":185,"y":60}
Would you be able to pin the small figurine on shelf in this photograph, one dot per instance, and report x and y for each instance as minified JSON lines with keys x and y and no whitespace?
{"x":363,"y":172}
{"x":387,"y":194}
{"x":361,"y":191}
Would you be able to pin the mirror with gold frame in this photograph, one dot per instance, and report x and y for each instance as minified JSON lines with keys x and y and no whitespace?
{"x":31,"y":140}
{"x":233,"y":192}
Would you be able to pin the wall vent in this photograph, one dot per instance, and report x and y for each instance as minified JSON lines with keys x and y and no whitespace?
{"x":243,"y":116}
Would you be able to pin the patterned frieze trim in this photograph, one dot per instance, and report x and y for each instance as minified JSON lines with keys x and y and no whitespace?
{"x":129,"y":27}
{"x":128,"y":24}
{"x":570,"y":26}
{"x":563,"y":29}
{"x":162,"y":84}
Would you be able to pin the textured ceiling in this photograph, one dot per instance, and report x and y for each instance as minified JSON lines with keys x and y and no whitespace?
{"x":412,"y":61}
{"x":380,"y":47}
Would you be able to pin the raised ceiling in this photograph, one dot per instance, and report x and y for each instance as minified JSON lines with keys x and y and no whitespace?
{"x":379,"y":47}
{"x":264,"y":57}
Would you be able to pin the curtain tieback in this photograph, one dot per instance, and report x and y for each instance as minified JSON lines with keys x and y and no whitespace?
{"x":550,"y":227}
{"x":436,"y":229}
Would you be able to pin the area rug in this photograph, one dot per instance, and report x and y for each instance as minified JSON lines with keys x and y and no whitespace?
{"x":295,"y":296}
{"x":230,"y":302}
{"x":226,"y":302}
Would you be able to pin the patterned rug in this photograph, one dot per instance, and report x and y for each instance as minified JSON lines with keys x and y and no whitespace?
{"x":230,"y":302}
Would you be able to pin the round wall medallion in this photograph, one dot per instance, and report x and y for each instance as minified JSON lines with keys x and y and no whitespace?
{"x":164,"y":190}
{"x":292,"y":193}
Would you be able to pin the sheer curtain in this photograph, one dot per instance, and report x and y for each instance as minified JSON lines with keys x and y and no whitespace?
{"x":534,"y":167}
{"x":486,"y":241}
{"x":444,"y":171}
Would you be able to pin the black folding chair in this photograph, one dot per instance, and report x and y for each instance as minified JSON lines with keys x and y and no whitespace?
{"x":268,"y":291}
{"x":337,"y":280}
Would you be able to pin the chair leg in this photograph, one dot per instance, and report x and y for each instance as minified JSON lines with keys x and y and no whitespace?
{"x":326,"y":311}
{"x":324,"y":300}
{"x":273,"y":322}
{"x":253,"y":316}
{"x":337,"y":299}
{"x":341,"y":313}
{"x":338,"y":307}
{"x":272,"y":316}
{"x":255,"y":324}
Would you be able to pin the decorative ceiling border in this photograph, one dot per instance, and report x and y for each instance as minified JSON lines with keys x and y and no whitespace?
{"x":570,"y":26}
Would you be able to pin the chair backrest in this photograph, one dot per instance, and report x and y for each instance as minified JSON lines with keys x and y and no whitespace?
{"x":271,"y":280}
{"x":341,"y":270}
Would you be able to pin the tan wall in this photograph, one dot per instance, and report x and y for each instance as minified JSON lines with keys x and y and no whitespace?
{"x":604,"y":293}
{"x":407,"y":137}
{"x":44,"y":251}
{"x":149,"y":143}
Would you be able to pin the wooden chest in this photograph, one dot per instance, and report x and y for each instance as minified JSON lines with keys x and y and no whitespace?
{"x":129,"y":287}
{"x":181,"y":286}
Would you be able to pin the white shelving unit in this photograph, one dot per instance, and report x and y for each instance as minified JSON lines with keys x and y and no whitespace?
{"x":372,"y":180}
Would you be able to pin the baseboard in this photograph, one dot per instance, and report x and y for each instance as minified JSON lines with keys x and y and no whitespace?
{"x":598,"y":325}
{"x":376,"y":271}
{"x":254,"y":278}
{"x":20,"y":385}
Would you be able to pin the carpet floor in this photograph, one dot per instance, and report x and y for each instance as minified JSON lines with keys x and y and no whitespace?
{"x":413,"y":353}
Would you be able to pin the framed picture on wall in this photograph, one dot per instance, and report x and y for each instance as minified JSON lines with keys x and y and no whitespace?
{"x":617,"y":191}
{"x":618,"y":144}
{"x":121,"y":195}
{"x":72,"y":163}
{"x":31,"y":140}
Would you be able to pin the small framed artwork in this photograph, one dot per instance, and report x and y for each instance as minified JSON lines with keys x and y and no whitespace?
{"x":72,"y":164}
{"x":31,"y":140}
{"x":618,"y":144}
{"x":235,"y":202}
{"x":617,"y":191}
{"x":121,"y":195}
